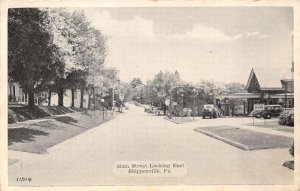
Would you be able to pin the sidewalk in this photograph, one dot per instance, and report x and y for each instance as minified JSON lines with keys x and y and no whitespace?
{"x":258,"y":127}
{"x":242,"y":123}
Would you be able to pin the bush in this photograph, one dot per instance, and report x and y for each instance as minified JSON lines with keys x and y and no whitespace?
{"x":292,"y":149}
{"x":286,"y":118}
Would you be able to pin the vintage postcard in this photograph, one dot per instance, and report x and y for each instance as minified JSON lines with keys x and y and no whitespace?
{"x":154,"y":95}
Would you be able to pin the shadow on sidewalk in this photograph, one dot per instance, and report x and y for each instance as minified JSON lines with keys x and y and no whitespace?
{"x":23,"y":135}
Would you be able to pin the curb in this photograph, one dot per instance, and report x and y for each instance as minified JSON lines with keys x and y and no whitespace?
{"x":177,"y":122}
{"x":233,"y":143}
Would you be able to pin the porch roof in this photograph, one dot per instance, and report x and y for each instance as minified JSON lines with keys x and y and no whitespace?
{"x":240,"y":96}
{"x":282,"y":96}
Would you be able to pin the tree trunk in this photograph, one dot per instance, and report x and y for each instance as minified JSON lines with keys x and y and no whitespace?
{"x":89,"y":101}
{"x":112,"y":98}
{"x":49,"y":98}
{"x":60,"y":97}
{"x":81,"y":98}
{"x":30,"y":98}
{"x":73,"y":91}
{"x":94,"y":96}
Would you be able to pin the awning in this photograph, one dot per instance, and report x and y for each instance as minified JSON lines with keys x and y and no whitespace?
{"x":282,"y":96}
{"x":240,"y":96}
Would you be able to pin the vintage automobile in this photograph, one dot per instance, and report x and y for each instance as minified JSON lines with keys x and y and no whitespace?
{"x":255,"y":113}
{"x":271,"y":111}
{"x":210,"y":111}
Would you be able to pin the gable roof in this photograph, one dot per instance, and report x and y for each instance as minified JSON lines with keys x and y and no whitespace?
{"x":268,"y":78}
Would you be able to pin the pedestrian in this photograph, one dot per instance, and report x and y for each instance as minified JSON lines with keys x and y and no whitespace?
{"x":189,"y":111}
{"x":92,"y":108}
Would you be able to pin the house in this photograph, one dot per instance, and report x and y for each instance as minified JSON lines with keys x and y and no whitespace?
{"x":265,"y":86}
{"x":16,"y":96}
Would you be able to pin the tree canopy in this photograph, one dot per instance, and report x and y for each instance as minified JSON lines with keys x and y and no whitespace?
{"x":51,"y":48}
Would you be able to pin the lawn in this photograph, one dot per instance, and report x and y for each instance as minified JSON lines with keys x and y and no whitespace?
{"x":251,"y":140}
{"x":37,"y":137}
{"x":285,"y":129}
{"x":265,"y":123}
{"x":272,"y":124}
{"x":23,"y":113}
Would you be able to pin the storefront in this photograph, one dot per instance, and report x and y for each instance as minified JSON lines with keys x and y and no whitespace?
{"x":264,"y":87}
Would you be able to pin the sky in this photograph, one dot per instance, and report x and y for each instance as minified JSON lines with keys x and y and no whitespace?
{"x":221,"y":43}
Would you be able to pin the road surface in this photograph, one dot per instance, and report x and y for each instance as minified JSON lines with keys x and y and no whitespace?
{"x":89,"y":158}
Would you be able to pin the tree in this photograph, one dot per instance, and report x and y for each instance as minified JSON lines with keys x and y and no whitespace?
{"x":59,"y":25}
{"x":76,"y":79}
{"x":161,"y":86}
{"x":135,"y":82}
{"x":83,"y":50}
{"x":33,"y":58}
{"x":234,"y":87}
{"x":127,"y":89}
{"x":90,"y":52}
{"x":106,"y":82}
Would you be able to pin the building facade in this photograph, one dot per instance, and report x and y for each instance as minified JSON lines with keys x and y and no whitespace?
{"x":16,"y":96}
{"x":264,"y":87}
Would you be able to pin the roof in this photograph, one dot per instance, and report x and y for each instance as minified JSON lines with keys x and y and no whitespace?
{"x":240,"y":96}
{"x":269,"y":78}
{"x":282,"y":96}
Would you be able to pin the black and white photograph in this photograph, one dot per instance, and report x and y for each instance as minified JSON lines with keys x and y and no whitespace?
{"x":150,"y":96}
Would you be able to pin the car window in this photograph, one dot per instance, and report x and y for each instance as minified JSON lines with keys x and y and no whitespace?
{"x":269,"y":108}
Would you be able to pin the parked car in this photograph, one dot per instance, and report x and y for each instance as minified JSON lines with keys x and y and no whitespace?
{"x":271,"y":111}
{"x":152,"y":109}
{"x":147,"y":108}
{"x":255,"y":113}
{"x":210,"y":111}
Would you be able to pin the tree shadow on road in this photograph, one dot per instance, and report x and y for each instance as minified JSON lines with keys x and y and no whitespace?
{"x":23,"y":134}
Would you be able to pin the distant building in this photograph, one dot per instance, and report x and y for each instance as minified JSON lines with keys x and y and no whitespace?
{"x":264,"y":87}
{"x":16,"y":96}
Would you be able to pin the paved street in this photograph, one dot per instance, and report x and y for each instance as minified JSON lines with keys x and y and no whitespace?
{"x":88,"y":159}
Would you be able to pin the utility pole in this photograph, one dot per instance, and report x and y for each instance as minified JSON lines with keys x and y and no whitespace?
{"x":112,"y":97}
{"x":113,"y":101}
{"x":195,"y":93}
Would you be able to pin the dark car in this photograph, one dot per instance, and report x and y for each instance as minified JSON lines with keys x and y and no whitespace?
{"x":210,"y":111}
{"x":271,"y":111}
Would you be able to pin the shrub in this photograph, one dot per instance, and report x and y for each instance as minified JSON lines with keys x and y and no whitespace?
{"x":292,"y":149}
{"x":286,"y":118}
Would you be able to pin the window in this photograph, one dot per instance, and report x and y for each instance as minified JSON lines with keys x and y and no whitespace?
{"x":277,"y":108}
{"x":269,"y":108}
